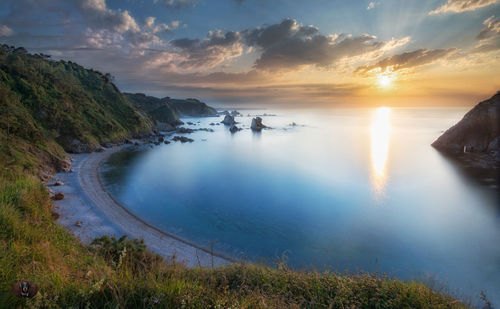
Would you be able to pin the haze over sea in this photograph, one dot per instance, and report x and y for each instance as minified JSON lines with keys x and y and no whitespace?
{"x":343,"y":189}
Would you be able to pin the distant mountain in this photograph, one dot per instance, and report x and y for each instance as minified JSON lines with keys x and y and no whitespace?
{"x":477,"y":132}
{"x":166,"y":111}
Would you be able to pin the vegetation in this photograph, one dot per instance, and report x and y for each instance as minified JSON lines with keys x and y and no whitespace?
{"x":168,"y":110}
{"x":44,"y":101}
{"x":122,"y":273}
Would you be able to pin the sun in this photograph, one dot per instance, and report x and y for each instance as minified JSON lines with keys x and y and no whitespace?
{"x":385,"y":80}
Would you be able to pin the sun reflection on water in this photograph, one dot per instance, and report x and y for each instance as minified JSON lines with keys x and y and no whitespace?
{"x":380,"y":133}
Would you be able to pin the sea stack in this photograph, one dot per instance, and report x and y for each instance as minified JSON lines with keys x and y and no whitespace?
{"x":257,"y":124}
{"x":234,"y":129}
{"x":228,"y":120}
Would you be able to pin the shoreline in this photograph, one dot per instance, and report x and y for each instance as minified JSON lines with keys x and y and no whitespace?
{"x":87,"y":200}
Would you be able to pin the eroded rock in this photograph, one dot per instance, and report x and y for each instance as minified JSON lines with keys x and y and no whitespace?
{"x":257,"y":124}
{"x":234,"y":129}
{"x":59,"y":196}
{"x":228,"y":120}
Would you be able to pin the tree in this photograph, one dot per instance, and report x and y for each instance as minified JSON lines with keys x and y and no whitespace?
{"x":109,"y":78}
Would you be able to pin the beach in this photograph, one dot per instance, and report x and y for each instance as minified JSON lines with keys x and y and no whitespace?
{"x":87,"y":201}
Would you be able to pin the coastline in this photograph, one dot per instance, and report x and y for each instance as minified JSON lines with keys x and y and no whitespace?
{"x":87,"y":201}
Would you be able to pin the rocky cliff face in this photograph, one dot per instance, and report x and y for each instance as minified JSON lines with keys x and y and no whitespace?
{"x":478,"y":131}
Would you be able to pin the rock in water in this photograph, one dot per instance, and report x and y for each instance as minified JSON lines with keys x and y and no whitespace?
{"x":63,"y":165}
{"x":477,"y":132}
{"x":228,"y":120}
{"x":184,"y":130}
{"x":182,"y":139}
{"x":59,"y":196}
{"x":257,"y":124}
{"x":234,"y":129}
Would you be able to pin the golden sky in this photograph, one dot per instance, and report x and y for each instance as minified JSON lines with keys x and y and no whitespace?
{"x":275,"y":53}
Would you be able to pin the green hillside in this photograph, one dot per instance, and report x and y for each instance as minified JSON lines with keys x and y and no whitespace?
{"x":44,"y":101}
{"x":168,"y":110}
{"x":44,"y":105}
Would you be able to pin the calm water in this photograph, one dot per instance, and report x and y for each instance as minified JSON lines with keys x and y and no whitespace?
{"x":357,"y":189}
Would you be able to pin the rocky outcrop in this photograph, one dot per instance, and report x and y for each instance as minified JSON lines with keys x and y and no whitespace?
{"x":76,"y":146}
{"x":257,"y":124}
{"x":63,"y":165}
{"x":477,"y":132}
{"x":58,"y":196}
{"x":182,"y":139}
{"x":185,"y":130}
{"x":234,"y":129}
{"x":228,"y":120}
{"x":474,"y":143}
{"x":164,"y":126}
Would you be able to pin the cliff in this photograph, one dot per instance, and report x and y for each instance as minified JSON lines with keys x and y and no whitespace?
{"x":474,"y":142}
{"x":477,"y":132}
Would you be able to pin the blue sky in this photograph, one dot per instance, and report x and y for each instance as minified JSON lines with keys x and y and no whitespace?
{"x":275,"y":51}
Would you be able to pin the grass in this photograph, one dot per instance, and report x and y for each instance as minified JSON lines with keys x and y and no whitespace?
{"x":122,"y":273}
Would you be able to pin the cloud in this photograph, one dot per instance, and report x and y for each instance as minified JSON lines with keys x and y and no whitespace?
{"x":289,"y":94}
{"x":489,"y":37}
{"x":184,"y":3}
{"x":151,"y":25}
{"x":107,"y":27}
{"x":491,"y":29}
{"x":459,"y":6}
{"x":215,"y":48}
{"x":372,"y":5}
{"x":289,"y":45}
{"x":5,"y":31}
{"x":102,"y":39}
{"x":97,"y":13}
{"x":406,"y":60}
{"x":177,"y":3}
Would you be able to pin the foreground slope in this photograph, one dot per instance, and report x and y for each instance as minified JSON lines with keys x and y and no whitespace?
{"x":46,"y":103}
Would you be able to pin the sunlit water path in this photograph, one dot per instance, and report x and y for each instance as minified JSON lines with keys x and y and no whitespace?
{"x":358,"y":189}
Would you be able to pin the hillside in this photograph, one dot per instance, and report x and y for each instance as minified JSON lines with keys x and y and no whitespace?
{"x":474,"y":142}
{"x":166,"y":111}
{"x":477,"y":132}
{"x":45,"y":106}
{"x":50,"y":106}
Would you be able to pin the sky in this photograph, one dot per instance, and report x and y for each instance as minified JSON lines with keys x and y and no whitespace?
{"x":261,"y":53}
